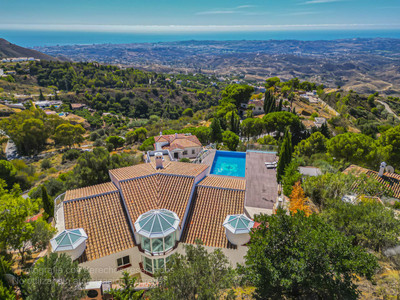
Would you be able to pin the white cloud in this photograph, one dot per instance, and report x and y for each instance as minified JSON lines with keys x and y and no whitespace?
{"x":300,"y":13}
{"x":216,"y":12}
{"x":320,"y":1}
{"x":235,"y":10}
{"x":188,"y":28}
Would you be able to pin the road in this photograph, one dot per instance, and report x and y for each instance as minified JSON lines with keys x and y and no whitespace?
{"x":387,"y":107}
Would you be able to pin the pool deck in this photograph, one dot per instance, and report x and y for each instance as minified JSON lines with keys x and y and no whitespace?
{"x":208,"y":160}
{"x":261,"y":185}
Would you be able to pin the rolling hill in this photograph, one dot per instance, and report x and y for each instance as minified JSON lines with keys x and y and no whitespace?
{"x":8,"y":49}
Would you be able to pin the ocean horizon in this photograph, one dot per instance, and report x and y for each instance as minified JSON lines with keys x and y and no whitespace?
{"x":40,"y":38}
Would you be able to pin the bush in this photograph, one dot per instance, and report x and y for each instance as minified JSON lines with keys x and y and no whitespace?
{"x":70,"y":155}
{"x":109,"y":147}
{"x":46,"y":164}
{"x":148,"y":144}
{"x":184,"y":159}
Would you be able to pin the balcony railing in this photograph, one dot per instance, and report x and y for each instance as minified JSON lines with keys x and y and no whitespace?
{"x":158,"y":253}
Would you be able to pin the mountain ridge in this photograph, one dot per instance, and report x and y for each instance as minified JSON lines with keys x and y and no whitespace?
{"x":8,"y":49}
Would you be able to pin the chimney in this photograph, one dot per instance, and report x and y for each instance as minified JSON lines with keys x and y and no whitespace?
{"x":382,"y":169}
{"x":176,"y":135}
{"x":160,"y":133}
{"x":159,"y":160}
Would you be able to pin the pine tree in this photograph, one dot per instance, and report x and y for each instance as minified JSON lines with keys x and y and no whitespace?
{"x":325,"y":131}
{"x":48,"y":203}
{"x":285,"y":155}
{"x":298,"y":200}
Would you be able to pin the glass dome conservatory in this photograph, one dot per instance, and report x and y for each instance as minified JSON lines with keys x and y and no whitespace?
{"x":238,"y":224}
{"x":237,"y":229}
{"x":158,"y":231}
{"x":70,"y":241}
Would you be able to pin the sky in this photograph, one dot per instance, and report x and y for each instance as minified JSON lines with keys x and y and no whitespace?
{"x":202,"y":15}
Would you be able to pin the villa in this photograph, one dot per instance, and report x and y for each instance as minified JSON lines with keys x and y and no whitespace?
{"x":147,"y":212}
{"x":179,"y":145}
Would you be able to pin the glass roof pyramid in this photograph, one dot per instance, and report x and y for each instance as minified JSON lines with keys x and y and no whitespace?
{"x":238,"y":224}
{"x":157,"y":223}
{"x":68,"y":239}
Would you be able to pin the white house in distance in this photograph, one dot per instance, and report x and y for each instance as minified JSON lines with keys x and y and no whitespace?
{"x":258,"y":106}
{"x":180,"y":145}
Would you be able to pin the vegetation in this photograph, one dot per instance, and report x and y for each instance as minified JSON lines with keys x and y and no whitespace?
{"x":313,"y":261}
{"x":56,"y":277}
{"x":195,"y":275}
{"x":127,"y":290}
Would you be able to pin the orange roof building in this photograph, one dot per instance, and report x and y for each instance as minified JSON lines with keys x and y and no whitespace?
{"x":149,"y":211}
{"x":180,"y":145}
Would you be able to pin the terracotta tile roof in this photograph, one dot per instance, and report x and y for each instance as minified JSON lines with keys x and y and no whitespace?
{"x":105,"y":223}
{"x":390,"y":180}
{"x":170,"y":167}
{"x":209,"y":208}
{"x":90,"y":191}
{"x":224,"y":182}
{"x":184,"y":169}
{"x":157,"y":191}
{"x":180,"y":141}
{"x":132,"y":171}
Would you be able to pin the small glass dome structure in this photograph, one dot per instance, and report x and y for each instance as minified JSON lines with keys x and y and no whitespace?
{"x":157,"y":223}
{"x":157,"y":231}
{"x":238,"y":224}
{"x":70,"y":241}
{"x":237,"y":229}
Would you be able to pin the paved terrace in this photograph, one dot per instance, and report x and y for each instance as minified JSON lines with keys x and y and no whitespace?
{"x":261,"y":185}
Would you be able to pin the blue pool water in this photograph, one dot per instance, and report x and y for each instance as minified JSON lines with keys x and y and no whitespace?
{"x":229,"y":163}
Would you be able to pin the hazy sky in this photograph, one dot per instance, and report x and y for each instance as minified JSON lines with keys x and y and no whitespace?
{"x":203,"y":14}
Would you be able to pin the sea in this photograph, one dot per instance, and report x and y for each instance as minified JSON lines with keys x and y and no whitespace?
{"x":35,"y":38}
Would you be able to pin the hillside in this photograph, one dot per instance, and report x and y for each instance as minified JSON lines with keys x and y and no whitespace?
{"x":11,"y":50}
{"x":362,"y":65}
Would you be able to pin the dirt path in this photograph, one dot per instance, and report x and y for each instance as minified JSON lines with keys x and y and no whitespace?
{"x":387,"y":107}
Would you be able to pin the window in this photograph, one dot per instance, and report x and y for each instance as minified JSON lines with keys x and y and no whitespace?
{"x":169,"y":241}
{"x":152,"y":265}
{"x":148,"y":264}
{"x":146,"y":244}
{"x":185,"y":152}
{"x":123,"y":261}
{"x":193,"y":151}
{"x":157,"y":245}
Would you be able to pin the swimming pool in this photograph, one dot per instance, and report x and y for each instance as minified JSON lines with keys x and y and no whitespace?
{"x":229,"y":163}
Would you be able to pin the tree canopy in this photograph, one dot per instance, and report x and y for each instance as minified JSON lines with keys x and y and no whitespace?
{"x":196,"y":275}
{"x":56,"y":277}
{"x":295,"y":256}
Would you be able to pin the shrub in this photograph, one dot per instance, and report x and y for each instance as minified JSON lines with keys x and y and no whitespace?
{"x":46,"y":164}
{"x":71,"y":154}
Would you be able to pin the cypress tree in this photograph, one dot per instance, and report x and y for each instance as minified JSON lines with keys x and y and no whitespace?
{"x":47,"y":202}
{"x":285,"y":155}
{"x":280,"y":105}
{"x":216,"y":131}
{"x":41,"y":97}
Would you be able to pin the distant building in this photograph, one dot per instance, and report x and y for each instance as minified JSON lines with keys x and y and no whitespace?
{"x":319,"y":122}
{"x":258,"y":108}
{"x":310,"y":171}
{"x":259,"y":89}
{"x":180,"y":145}
{"x":179,"y":82}
{"x":1,"y":72}
{"x":77,"y":106}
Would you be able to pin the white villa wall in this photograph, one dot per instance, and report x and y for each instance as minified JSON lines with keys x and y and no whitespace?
{"x":235,"y":256}
{"x":105,"y":268}
{"x":189,"y":152}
